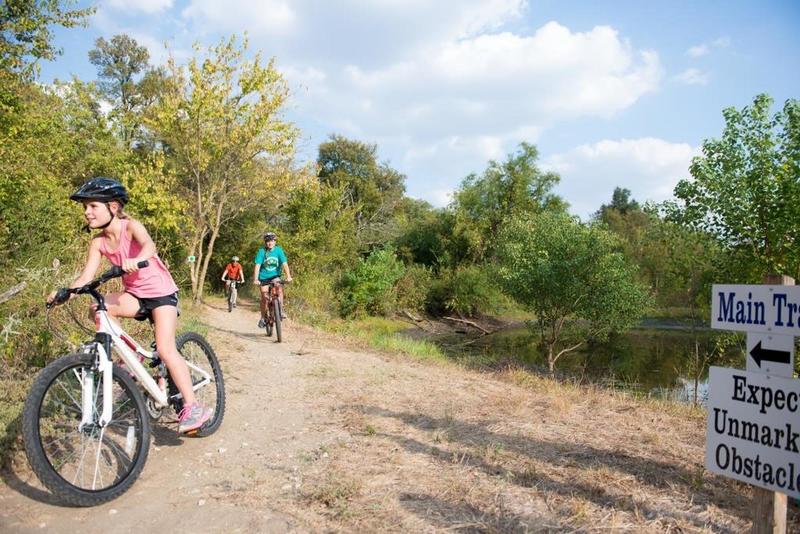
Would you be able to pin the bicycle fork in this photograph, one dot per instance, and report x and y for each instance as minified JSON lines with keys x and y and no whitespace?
{"x":105,"y":367}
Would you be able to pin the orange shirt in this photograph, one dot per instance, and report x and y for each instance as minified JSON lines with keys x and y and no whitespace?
{"x":234,"y":271}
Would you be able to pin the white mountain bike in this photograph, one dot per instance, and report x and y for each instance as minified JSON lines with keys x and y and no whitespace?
{"x":86,"y":422}
{"x":232,"y":293}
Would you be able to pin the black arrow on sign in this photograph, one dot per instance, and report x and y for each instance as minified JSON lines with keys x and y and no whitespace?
{"x":778,"y":356}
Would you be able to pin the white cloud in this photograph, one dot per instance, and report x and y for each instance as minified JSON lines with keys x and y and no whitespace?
{"x":441,"y":87}
{"x":697,"y":51}
{"x":703,"y":49}
{"x":144,"y":6}
{"x":693,"y":77}
{"x":649,"y":167}
{"x":444,"y":111}
{"x":722,"y":42}
{"x":274,"y":16}
{"x":438,"y":198}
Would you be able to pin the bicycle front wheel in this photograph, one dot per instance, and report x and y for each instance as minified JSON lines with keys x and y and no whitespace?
{"x":276,"y":311}
{"x":90,"y":464}
{"x":197,"y":351}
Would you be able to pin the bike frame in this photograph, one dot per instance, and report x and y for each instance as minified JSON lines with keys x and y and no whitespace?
{"x":133,"y":355}
{"x":273,"y":294}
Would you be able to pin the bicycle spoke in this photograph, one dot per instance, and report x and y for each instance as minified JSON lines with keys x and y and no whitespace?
{"x":57,"y":440}
{"x":77,"y":404}
{"x":83,"y":456}
{"x":123,"y":456}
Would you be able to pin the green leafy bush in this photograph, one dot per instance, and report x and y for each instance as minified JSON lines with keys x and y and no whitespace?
{"x":370,"y":287}
{"x":468,"y":291}
{"x":413,"y":287}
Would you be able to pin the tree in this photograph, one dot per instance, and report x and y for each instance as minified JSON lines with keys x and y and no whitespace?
{"x":119,"y":62}
{"x":25,"y":38}
{"x":25,"y":31}
{"x":373,"y":189}
{"x":571,"y":276}
{"x":621,"y":203}
{"x":514,"y":187}
{"x":319,"y":228}
{"x":745,"y":189}
{"x":220,"y":121}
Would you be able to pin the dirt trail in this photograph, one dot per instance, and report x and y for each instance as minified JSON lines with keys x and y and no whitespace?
{"x":186,"y":482}
{"x":321,"y":438}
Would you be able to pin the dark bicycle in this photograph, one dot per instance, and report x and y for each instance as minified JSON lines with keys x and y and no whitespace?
{"x":274,"y":312}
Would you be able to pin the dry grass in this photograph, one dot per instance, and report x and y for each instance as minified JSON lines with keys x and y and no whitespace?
{"x":440,"y":448}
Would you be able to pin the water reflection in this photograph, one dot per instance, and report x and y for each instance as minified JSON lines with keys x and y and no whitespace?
{"x":650,"y":362}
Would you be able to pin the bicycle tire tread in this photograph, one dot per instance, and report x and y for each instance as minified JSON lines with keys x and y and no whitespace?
{"x":35,"y":453}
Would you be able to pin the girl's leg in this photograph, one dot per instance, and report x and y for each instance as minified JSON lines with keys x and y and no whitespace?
{"x":121,"y":305}
{"x":165,"y":319}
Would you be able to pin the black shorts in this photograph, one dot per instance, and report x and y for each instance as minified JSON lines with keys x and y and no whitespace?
{"x":147,"y":305}
{"x":269,"y":280}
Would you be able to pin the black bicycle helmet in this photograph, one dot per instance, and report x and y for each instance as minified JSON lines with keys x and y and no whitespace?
{"x":102,"y":189}
{"x":269,"y":236}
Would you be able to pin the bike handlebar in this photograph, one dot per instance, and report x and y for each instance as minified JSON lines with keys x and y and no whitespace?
{"x":62,"y":295}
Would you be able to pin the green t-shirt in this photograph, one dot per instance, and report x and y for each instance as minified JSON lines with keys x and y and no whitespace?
{"x":270,"y":262}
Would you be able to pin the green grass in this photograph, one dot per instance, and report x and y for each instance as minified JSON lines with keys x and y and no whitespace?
{"x":14,"y":392}
{"x":190,"y":321}
{"x":386,"y":335}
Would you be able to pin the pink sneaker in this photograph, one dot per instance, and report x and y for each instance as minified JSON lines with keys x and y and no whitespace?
{"x":192,"y":417}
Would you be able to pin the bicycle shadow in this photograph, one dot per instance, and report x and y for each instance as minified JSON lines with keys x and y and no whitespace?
{"x":17,"y":477}
{"x":164,"y":436}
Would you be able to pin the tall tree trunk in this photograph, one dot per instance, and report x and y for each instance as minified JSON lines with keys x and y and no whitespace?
{"x":203,"y":266}
{"x":204,"y":270}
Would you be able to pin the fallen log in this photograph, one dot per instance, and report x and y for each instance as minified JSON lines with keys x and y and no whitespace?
{"x":12,"y":292}
{"x":470,"y":323}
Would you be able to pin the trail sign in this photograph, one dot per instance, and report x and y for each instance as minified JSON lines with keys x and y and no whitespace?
{"x":756,"y":308}
{"x":753,"y":429}
{"x":770,"y":354}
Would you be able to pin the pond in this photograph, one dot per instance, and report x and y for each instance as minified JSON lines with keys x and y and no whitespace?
{"x":650,"y":362}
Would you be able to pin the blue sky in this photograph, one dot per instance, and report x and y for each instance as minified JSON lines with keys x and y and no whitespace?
{"x":613,"y":92}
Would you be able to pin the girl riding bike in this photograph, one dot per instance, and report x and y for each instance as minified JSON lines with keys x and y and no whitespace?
{"x":150,"y":292}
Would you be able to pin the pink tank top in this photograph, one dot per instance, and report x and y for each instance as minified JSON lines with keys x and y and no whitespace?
{"x":150,"y":282}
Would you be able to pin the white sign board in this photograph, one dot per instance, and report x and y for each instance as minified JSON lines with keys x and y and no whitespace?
{"x":753,"y":430}
{"x":770,"y":354}
{"x":756,"y":308}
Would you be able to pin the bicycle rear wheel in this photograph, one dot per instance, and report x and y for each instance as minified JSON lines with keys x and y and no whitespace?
{"x":276,"y":311}
{"x":196,"y":350}
{"x":93,"y":464}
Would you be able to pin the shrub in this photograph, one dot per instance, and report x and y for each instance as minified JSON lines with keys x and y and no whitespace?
{"x":413,"y":287}
{"x":467,"y":291}
{"x":369,"y":288}
{"x":312,"y":297}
